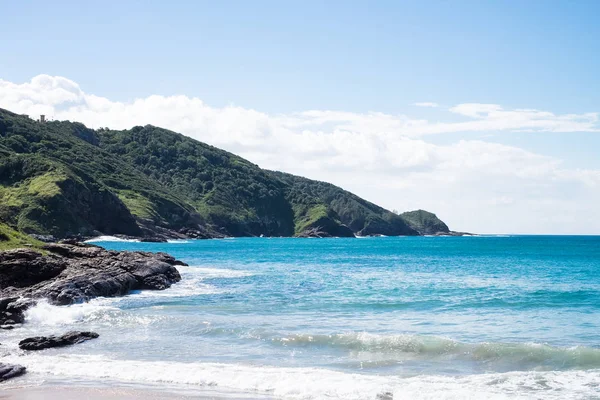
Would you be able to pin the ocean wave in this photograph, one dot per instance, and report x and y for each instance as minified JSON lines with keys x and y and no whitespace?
{"x":427,"y":347}
{"x":317,"y":383}
{"x":209,"y":273}
{"x":110,"y":239}
{"x":191,"y":284}
{"x":44,"y":313}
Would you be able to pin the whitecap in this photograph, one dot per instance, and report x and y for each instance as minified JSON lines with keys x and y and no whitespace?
{"x":43,"y":313}
{"x":208,"y":272}
{"x":110,"y":239}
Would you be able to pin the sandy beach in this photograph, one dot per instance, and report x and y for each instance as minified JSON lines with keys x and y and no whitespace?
{"x":67,"y":393}
{"x":105,"y":393}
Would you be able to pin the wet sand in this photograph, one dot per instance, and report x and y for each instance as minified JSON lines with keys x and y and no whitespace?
{"x":105,"y":393}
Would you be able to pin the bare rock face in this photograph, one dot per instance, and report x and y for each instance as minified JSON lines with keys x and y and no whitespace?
{"x":46,"y":342}
{"x":8,"y":371}
{"x":23,"y":267}
{"x":74,"y":273}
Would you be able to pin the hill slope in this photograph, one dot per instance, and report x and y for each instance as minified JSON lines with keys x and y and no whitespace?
{"x":425,"y":223}
{"x":64,"y":179}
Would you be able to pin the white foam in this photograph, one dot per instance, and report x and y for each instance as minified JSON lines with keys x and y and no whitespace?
{"x":44,"y":313}
{"x":187,"y":287}
{"x":178,"y":241}
{"x":110,"y":239}
{"x":318,"y":383}
{"x":207,"y":272}
{"x":192,"y":282}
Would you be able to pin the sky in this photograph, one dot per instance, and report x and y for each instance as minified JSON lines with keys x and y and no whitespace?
{"x":484,"y":112}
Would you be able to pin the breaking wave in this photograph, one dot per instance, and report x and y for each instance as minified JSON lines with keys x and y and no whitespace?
{"x":318,"y":383}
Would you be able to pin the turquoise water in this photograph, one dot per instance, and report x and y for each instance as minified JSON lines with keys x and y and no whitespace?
{"x":424,"y":317}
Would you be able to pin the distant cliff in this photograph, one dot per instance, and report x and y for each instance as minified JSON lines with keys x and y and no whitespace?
{"x":62,"y":178}
{"x":424,"y":222}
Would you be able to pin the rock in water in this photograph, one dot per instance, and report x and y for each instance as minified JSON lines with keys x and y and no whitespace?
{"x":46,"y":342}
{"x":76,"y":273}
{"x":8,"y":371}
{"x":12,"y":311}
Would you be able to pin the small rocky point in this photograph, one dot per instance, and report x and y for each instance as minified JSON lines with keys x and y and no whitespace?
{"x":8,"y":371}
{"x":46,"y":342}
{"x":71,"y":273}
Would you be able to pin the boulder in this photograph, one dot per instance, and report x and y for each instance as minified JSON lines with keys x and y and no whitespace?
{"x":12,"y":311}
{"x":46,"y":342}
{"x":153,"y":239}
{"x":8,"y":371}
{"x":43,"y":238}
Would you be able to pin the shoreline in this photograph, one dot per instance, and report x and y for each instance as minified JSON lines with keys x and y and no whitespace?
{"x":114,"y":391}
{"x":91,"y":393}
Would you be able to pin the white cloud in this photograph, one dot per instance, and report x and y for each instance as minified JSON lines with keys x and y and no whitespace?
{"x":426,"y":104}
{"x":474,"y":185}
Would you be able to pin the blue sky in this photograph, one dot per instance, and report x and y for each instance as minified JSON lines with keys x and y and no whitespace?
{"x":281,"y":58}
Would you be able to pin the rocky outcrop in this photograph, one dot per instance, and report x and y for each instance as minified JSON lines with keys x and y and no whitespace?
{"x":153,"y":239}
{"x":46,"y":342}
{"x":44,"y":238}
{"x":8,"y":371}
{"x":425,"y":223}
{"x":73,"y":273}
{"x":12,"y":311}
{"x":321,"y":232}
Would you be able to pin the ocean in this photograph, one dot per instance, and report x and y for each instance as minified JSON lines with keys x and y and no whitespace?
{"x":485,"y":317}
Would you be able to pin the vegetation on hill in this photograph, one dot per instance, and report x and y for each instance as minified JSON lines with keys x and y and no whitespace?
{"x":10,"y":238}
{"x":62,"y":178}
{"x":54,"y":180}
{"x":315,"y":201}
{"x":424,"y":222}
{"x":226,"y":190}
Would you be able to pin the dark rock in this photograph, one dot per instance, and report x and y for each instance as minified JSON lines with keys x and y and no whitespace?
{"x":332,"y":230}
{"x":8,"y":371}
{"x":153,"y":240}
{"x":453,"y":233}
{"x":12,"y":311}
{"x":385,"y":396}
{"x":43,"y":238}
{"x":76,"y":273}
{"x":70,"y":241}
{"x":46,"y":342}
{"x":199,"y":234}
{"x":21,"y":268}
{"x":315,"y":232}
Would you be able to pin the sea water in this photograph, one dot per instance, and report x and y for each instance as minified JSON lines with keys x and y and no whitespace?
{"x":514,"y":317}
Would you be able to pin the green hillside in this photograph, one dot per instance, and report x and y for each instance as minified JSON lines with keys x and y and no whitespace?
{"x":10,"y":238}
{"x":62,"y":178}
{"x":424,"y":222}
{"x":313,"y":201}
{"x":226,"y":190}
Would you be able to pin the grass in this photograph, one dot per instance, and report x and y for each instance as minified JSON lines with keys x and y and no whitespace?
{"x":46,"y":185}
{"x":11,"y":239}
{"x":305,"y":217}
{"x":138,"y":205}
